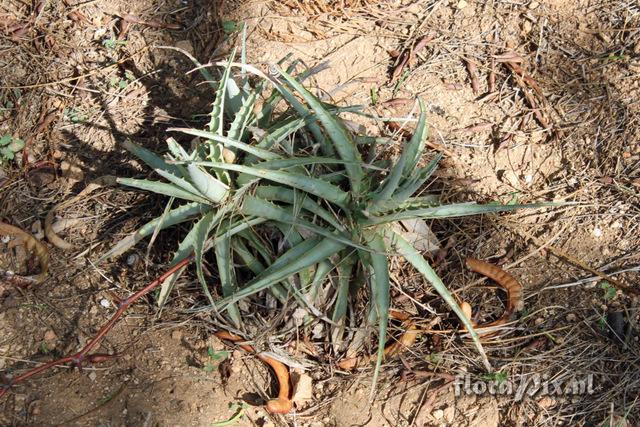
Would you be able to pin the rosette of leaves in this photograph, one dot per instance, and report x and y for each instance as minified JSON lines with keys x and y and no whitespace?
{"x":288,"y":168}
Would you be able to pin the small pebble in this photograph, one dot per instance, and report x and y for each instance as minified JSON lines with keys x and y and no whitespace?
{"x":185,"y":45}
{"x":462,"y":4}
{"x":318,"y":331}
{"x":50,"y":336}
{"x":92,"y":375}
{"x":72,"y":171}
{"x":597,"y":231}
{"x":105,"y":303}
{"x":571,"y":317}
{"x":438,"y":414}
{"x":449,"y":414}
{"x":132,"y":259}
{"x":546,"y":402}
{"x":35,"y":408}
{"x":534,"y":5}
{"x":299,"y":315}
{"x":236,"y":367}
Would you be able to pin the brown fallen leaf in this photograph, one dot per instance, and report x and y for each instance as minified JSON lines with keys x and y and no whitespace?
{"x":509,"y":57}
{"x":473,"y":75}
{"x":418,"y":46}
{"x":393,"y":53}
{"x":407,"y":57}
{"x":525,"y":77}
{"x":423,"y":42}
{"x":368,"y":80}
{"x":402,"y":63}
{"x":453,"y":86}
{"x":30,"y":244}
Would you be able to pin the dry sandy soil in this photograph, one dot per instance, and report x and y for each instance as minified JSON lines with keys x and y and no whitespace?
{"x":74,"y":85}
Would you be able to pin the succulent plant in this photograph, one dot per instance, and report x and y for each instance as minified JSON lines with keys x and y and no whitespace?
{"x":284,"y":167}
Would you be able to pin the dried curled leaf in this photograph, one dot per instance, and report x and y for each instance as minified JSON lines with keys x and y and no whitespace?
{"x":283,"y":403}
{"x":31,"y":245}
{"x":513,"y":288}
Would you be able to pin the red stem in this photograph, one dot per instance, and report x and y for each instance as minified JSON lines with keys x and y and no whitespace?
{"x":76,"y":359}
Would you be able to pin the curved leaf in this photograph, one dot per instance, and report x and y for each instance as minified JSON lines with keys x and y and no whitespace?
{"x":311,"y":185}
{"x":303,"y":111}
{"x":388,"y":206}
{"x":380,"y":294}
{"x":149,"y":157}
{"x":341,"y":138}
{"x":175,"y":216}
{"x":417,"y":142}
{"x":202,"y":230}
{"x":258,"y":152}
{"x":256,"y":267}
{"x":222,"y":250}
{"x":254,"y":206}
{"x":287,"y":195}
{"x":417,"y":260}
{"x":298,"y":161}
{"x":452,"y":211}
{"x":416,"y":180}
{"x":210,"y":187}
{"x":318,"y":253}
{"x":216,"y":123}
{"x":163,"y":188}
{"x":243,"y":117}
{"x":345,"y":269}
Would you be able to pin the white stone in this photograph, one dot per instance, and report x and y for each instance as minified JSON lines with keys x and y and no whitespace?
{"x":597,"y":231}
